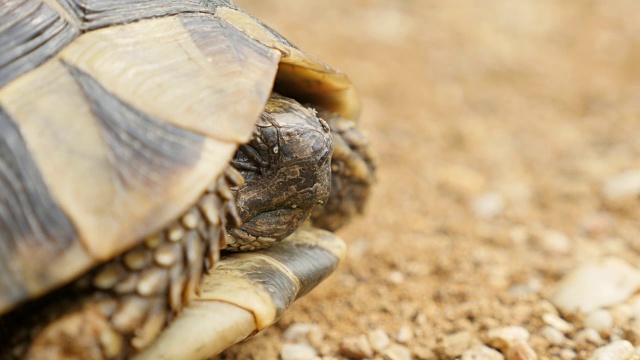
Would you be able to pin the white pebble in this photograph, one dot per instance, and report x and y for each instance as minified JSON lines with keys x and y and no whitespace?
{"x":396,"y":352}
{"x":521,"y":351}
{"x":457,"y":343}
{"x":567,"y":354}
{"x":557,"y":322}
{"x":624,"y":185}
{"x":405,"y":334}
{"x":618,"y":350}
{"x":297,"y":352}
{"x":502,"y":338}
{"x":378,"y":339}
{"x":621,"y":313}
{"x":555,"y":242}
{"x":488,"y":205}
{"x":396,"y":277}
{"x":553,"y":335}
{"x":588,"y":335}
{"x":302,"y":332}
{"x":481,"y":352}
{"x":595,"y":285}
{"x":356,"y":348}
{"x":422,"y":352}
{"x":601,"y":320}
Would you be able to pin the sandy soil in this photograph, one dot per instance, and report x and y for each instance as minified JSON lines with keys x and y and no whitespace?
{"x":497,"y":123}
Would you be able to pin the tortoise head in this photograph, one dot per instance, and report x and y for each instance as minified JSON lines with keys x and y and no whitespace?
{"x":287,"y":171}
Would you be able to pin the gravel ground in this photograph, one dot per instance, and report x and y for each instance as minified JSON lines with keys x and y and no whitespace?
{"x":505,"y":222}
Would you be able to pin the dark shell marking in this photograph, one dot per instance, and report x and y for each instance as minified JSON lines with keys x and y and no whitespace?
{"x":33,"y":31}
{"x":32,"y":226}
{"x":30,"y":33}
{"x":94,"y":14}
{"x":144,"y":151}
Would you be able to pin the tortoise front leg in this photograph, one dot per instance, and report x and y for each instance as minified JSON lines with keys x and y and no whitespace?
{"x":246,"y":293}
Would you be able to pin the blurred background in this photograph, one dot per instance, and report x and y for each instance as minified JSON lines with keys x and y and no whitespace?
{"x":506,"y":135}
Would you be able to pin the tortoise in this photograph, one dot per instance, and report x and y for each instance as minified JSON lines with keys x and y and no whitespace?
{"x":139,"y":140}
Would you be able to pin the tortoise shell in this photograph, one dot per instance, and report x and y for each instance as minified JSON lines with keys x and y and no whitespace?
{"x":116,"y":115}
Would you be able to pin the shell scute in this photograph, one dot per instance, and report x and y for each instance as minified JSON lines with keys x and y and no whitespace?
{"x":33,"y":228}
{"x":95,"y":14}
{"x":31,"y":32}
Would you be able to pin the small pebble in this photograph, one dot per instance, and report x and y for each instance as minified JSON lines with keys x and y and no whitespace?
{"x":521,"y":351}
{"x":461,"y":180}
{"x":568,"y":354}
{"x":396,"y":277}
{"x":615,"y":337}
{"x":596,"y":224}
{"x":618,"y":350}
{"x":621,"y":313}
{"x":588,"y":335}
{"x":488,"y":205}
{"x":422,"y":352}
{"x":396,"y":352}
{"x":596,"y":284}
{"x":601,"y":320}
{"x":624,"y":185}
{"x":421,"y":319}
{"x":547,"y":307}
{"x":303,"y":333}
{"x":502,"y":338}
{"x":533,"y":286}
{"x":553,"y":335}
{"x":405,"y":334}
{"x":557,"y":323}
{"x":555,"y":242}
{"x":356,"y":348}
{"x":378,"y":340}
{"x":297,"y":352}
{"x":325,"y":349}
{"x":457,"y":343}
{"x":481,"y":352}
{"x":522,"y":290}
